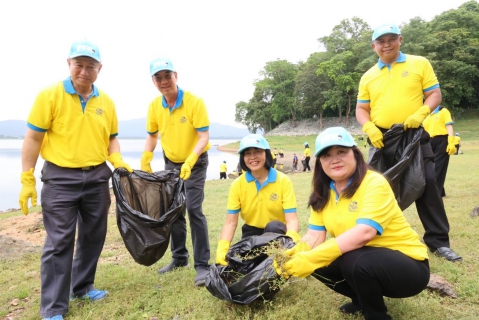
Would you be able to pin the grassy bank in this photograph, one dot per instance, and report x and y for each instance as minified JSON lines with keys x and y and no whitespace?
{"x":138,"y":292}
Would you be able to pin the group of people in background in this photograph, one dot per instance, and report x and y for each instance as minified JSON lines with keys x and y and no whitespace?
{"x":371,"y":252}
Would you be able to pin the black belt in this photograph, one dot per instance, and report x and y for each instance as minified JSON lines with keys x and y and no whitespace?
{"x":87,"y":168}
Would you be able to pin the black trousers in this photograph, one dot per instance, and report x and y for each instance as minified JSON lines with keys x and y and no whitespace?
{"x":368,"y":274}
{"x":272,"y":226}
{"x":195,"y":194}
{"x":429,"y":206}
{"x":306,"y":162}
{"x":222,"y":175}
{"x":441,"y":160}
{"x":71,"y":199}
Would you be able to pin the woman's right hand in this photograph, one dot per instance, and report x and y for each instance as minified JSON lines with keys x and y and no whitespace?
{"x":301,"y":246}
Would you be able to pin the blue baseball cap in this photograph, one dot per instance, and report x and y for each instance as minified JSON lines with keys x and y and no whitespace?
{"x":457,"y":133}
{"x":306,"y":144}
{"x":160,"y":64}
{"x":385,"y":29}
{"x":334,"y":136}
{"x":253,"y":141}
{"x":85,"y":48}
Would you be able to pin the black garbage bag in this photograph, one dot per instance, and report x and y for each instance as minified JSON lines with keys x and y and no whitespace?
{"x":401,"y":162}
{"x":146,"y":207}
{"x":248,"y":275}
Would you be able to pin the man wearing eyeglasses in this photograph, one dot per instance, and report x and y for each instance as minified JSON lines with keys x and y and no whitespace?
{"x":181,"y":120}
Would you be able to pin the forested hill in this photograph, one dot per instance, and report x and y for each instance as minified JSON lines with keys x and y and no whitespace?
{"x":326,"y":84}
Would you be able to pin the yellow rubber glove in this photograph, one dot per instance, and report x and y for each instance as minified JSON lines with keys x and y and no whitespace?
{"x":293,"y":235}
{"x":415,"y":119}
{"x":185,"y":172}
{"x":146,"y":158}
{"x":375,"y":135}
{"x":302,"y":264}
{"x":221,"y":251}
{"x":117,"y":162}
{"x":451,"y":145}
{"x":301,"y":246}
{"x":28,"y":190}
{"x":279,"y":271}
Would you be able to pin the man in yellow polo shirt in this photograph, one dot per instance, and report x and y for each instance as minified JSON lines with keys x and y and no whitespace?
{"x":439,"y":126}
{"x":403,"y":88}
{"x":181,"y":120}
{"x":223,"y":170}
{"x":74,"y":126}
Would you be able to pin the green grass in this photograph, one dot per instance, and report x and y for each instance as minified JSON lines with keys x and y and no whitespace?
{"x":138,"y":292}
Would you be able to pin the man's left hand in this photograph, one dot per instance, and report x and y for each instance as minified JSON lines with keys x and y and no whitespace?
{"x":416,"y":119}
{"x":186,"y":168}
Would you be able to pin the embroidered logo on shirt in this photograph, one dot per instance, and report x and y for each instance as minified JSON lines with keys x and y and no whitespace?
{"x":182,"y":119}
{"x":405,"y":74}
{"x":99,"y":111}
{"x":353,"y":206}
{"x":273,"y":197}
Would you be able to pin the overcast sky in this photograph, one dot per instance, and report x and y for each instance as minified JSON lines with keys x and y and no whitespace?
{"x":217,"y":47}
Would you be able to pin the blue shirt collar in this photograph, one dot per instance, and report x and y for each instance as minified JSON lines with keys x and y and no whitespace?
{"x":332,"y":186}
{"x":436,"y":110}
{"x":178,"y":102}
{"x":68,"y":85}
{"x":272,"y":175}
{"x":401,"y":58}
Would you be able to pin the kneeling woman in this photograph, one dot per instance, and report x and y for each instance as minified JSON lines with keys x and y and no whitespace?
{"x":373,"y":251}
{"x":263,"y":196}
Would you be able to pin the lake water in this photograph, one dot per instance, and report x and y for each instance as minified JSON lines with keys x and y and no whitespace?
{"x":131,"y":150}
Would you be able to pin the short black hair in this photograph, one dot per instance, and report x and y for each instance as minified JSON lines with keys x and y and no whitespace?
{"x":268,"y":163}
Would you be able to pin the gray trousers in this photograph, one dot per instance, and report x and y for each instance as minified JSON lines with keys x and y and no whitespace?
{"x":195,"y":194}
{"x":71,"y":198}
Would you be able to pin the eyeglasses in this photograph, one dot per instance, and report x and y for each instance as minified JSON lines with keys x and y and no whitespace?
{"x":160,"y":79}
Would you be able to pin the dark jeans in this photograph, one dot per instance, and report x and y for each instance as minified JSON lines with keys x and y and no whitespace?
{"x":199,"y":228}
{"x":272,"y":226}
{"x":222,"y":175}
{"x":367,"y":274}
{"x":71,"y":198}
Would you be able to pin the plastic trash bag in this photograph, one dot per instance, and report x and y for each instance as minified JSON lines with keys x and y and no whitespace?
{"x":244,"y":280}
{"x":146,"y":207}
{"x":401,"y":162}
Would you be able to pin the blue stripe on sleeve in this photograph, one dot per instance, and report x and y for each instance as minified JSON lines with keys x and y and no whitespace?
{"x":316,"y":228}
{"x":31,"y":126}
{"x":290,"y":210}
{"x":449,"y":123}
{"x":113,"y":135}
{"x":203,"y":129}
{"x":234,"y":211}
{"x":371,"y":223}
{"x":431,"y":88}
{"x":363,"y":101}
{"x":152,"y":132}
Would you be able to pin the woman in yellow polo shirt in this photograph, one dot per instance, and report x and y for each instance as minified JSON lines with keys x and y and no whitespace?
{"x":373,"y":251}
{"x":263,"y":196}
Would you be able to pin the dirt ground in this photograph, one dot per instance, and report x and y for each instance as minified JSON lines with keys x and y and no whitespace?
{"x":25,"y":234}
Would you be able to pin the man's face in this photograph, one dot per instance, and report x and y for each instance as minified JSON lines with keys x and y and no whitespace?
{"x":387,"y":47}
{"x":83,"y":71}
{"x":165,"y":82}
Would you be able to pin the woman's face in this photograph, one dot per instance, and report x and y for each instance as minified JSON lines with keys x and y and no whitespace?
{"x":254,"y":158}
{"x":339,"y":163}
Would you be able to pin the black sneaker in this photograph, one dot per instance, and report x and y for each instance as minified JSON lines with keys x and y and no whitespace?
{"x":446,"y":253}
{"x":174,"y":264}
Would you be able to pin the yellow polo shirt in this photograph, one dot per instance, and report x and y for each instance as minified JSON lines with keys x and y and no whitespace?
{"x":77,"y":133}
{"x":375,"y":205}
{"x":259,"y":204}
{"x":457,"y":140}
{"x":178,"y":127}
{"x":307,"y":152}
{"x":395,"y":92}
{"x":223,"y":167}
{"x":435,"y":123}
